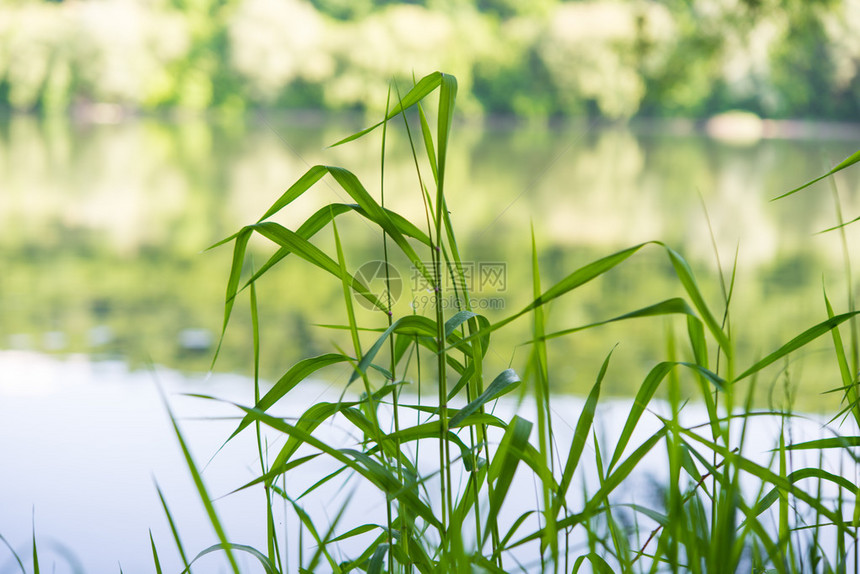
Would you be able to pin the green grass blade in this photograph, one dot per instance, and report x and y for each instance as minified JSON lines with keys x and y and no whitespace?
{"x":840,"y":442}
{"x":502,"y":384}
{"x":305,"y":182}
{"x":325,"y":215}
{"x":800,"y":341}
{"x":580,"y":434}
{"x":377,"y":561}
{"x":840,"y":226}
{"x":312,"y":254}
{"x":296,"y":374}
{"x":359,"y":462}
{"x":612,"y":481}
{"x":674,"y":306}
{"x":576,"y":279}
{"x":35,"y":549}
{"x":643,"y":397}
{"x":456,"y":320}
{"x":14,"y":554}
{"x":239,"y":249}
{"x":847,"y":162}
{"x":504,"y":464}
{"x":201,"y":488}
{"x":418,"y":92}
{"x":804,"y":473}
{"x":351,"y":184}
{"x":447,"y":96}
{"x":688,"y":280}
{"x":410,"y":324}
{"x":173,"y":529}
{"x":768,"y":476}
{"x":228,"y":547}
{"x":357,"y":531}
{"x":154,"y":554}
{"x":848,"y":381}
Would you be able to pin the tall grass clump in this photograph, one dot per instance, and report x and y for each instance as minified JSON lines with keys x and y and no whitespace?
{"x":454,"y":478}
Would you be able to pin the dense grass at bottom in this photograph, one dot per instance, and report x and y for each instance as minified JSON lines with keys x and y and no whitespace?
{"x":453,"y":471}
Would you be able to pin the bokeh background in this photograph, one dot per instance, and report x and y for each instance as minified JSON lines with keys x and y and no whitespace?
{"x":539,"y":59}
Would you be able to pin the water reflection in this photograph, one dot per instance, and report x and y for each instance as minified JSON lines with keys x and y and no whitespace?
{"x":101,"y":228}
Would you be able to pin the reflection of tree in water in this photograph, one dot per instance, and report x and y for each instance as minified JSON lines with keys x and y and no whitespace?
{"x":101,"y":240}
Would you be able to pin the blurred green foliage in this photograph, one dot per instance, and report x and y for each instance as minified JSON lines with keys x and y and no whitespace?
{"x":540,"y":59}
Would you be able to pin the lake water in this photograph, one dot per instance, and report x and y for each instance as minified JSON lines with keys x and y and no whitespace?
{"x":101,"y":232}
{"x":83,"y":444}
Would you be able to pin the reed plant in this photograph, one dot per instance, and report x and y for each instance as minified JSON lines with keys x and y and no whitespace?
{"x":718,"y":509}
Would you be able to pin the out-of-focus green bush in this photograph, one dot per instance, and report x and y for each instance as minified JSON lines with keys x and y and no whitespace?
{"x":607,"y":58}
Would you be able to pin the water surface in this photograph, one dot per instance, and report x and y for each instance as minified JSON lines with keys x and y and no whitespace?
{"x":102,"y":228}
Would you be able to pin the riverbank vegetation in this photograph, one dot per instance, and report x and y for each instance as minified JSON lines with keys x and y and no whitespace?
{"x":612,"y":59}
{"x":724,"y":505}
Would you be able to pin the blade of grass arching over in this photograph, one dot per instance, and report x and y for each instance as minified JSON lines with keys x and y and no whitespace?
{"x":597,"y":562}
{"x":173,"y":530}
{"x":840,"y":226}
{"x":14,"y":554}
{"x":374,"y":566}
{"x":154,"y":554}
{"x":296,"y":374}
{"x":350,"y":183}
{"x":840,"y":442}
{"x":325,"y":215}
{"x":418,"y":92}
{"x":410,"y":324}
{"x":501,"y":385}
{"x":674,"y":306}
{"x":847,"y":162}
{"x":239,"y":249}
{"x":576,"y":279}
{"x":304,"y":183}
{"x":580,"y":436}
{"x":198,"y":483}
{"x":312,"y":254}
{"x":800,"y":341}
{"x":357,"y":531}
{"x":456,"y":320}
{"x":643,"y":397}
{"x":848,"y":381}
{"x":773,"y":494}
{"x":688,"y":281}
{"x":504,"y":465}
{"x":268,"y":566}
